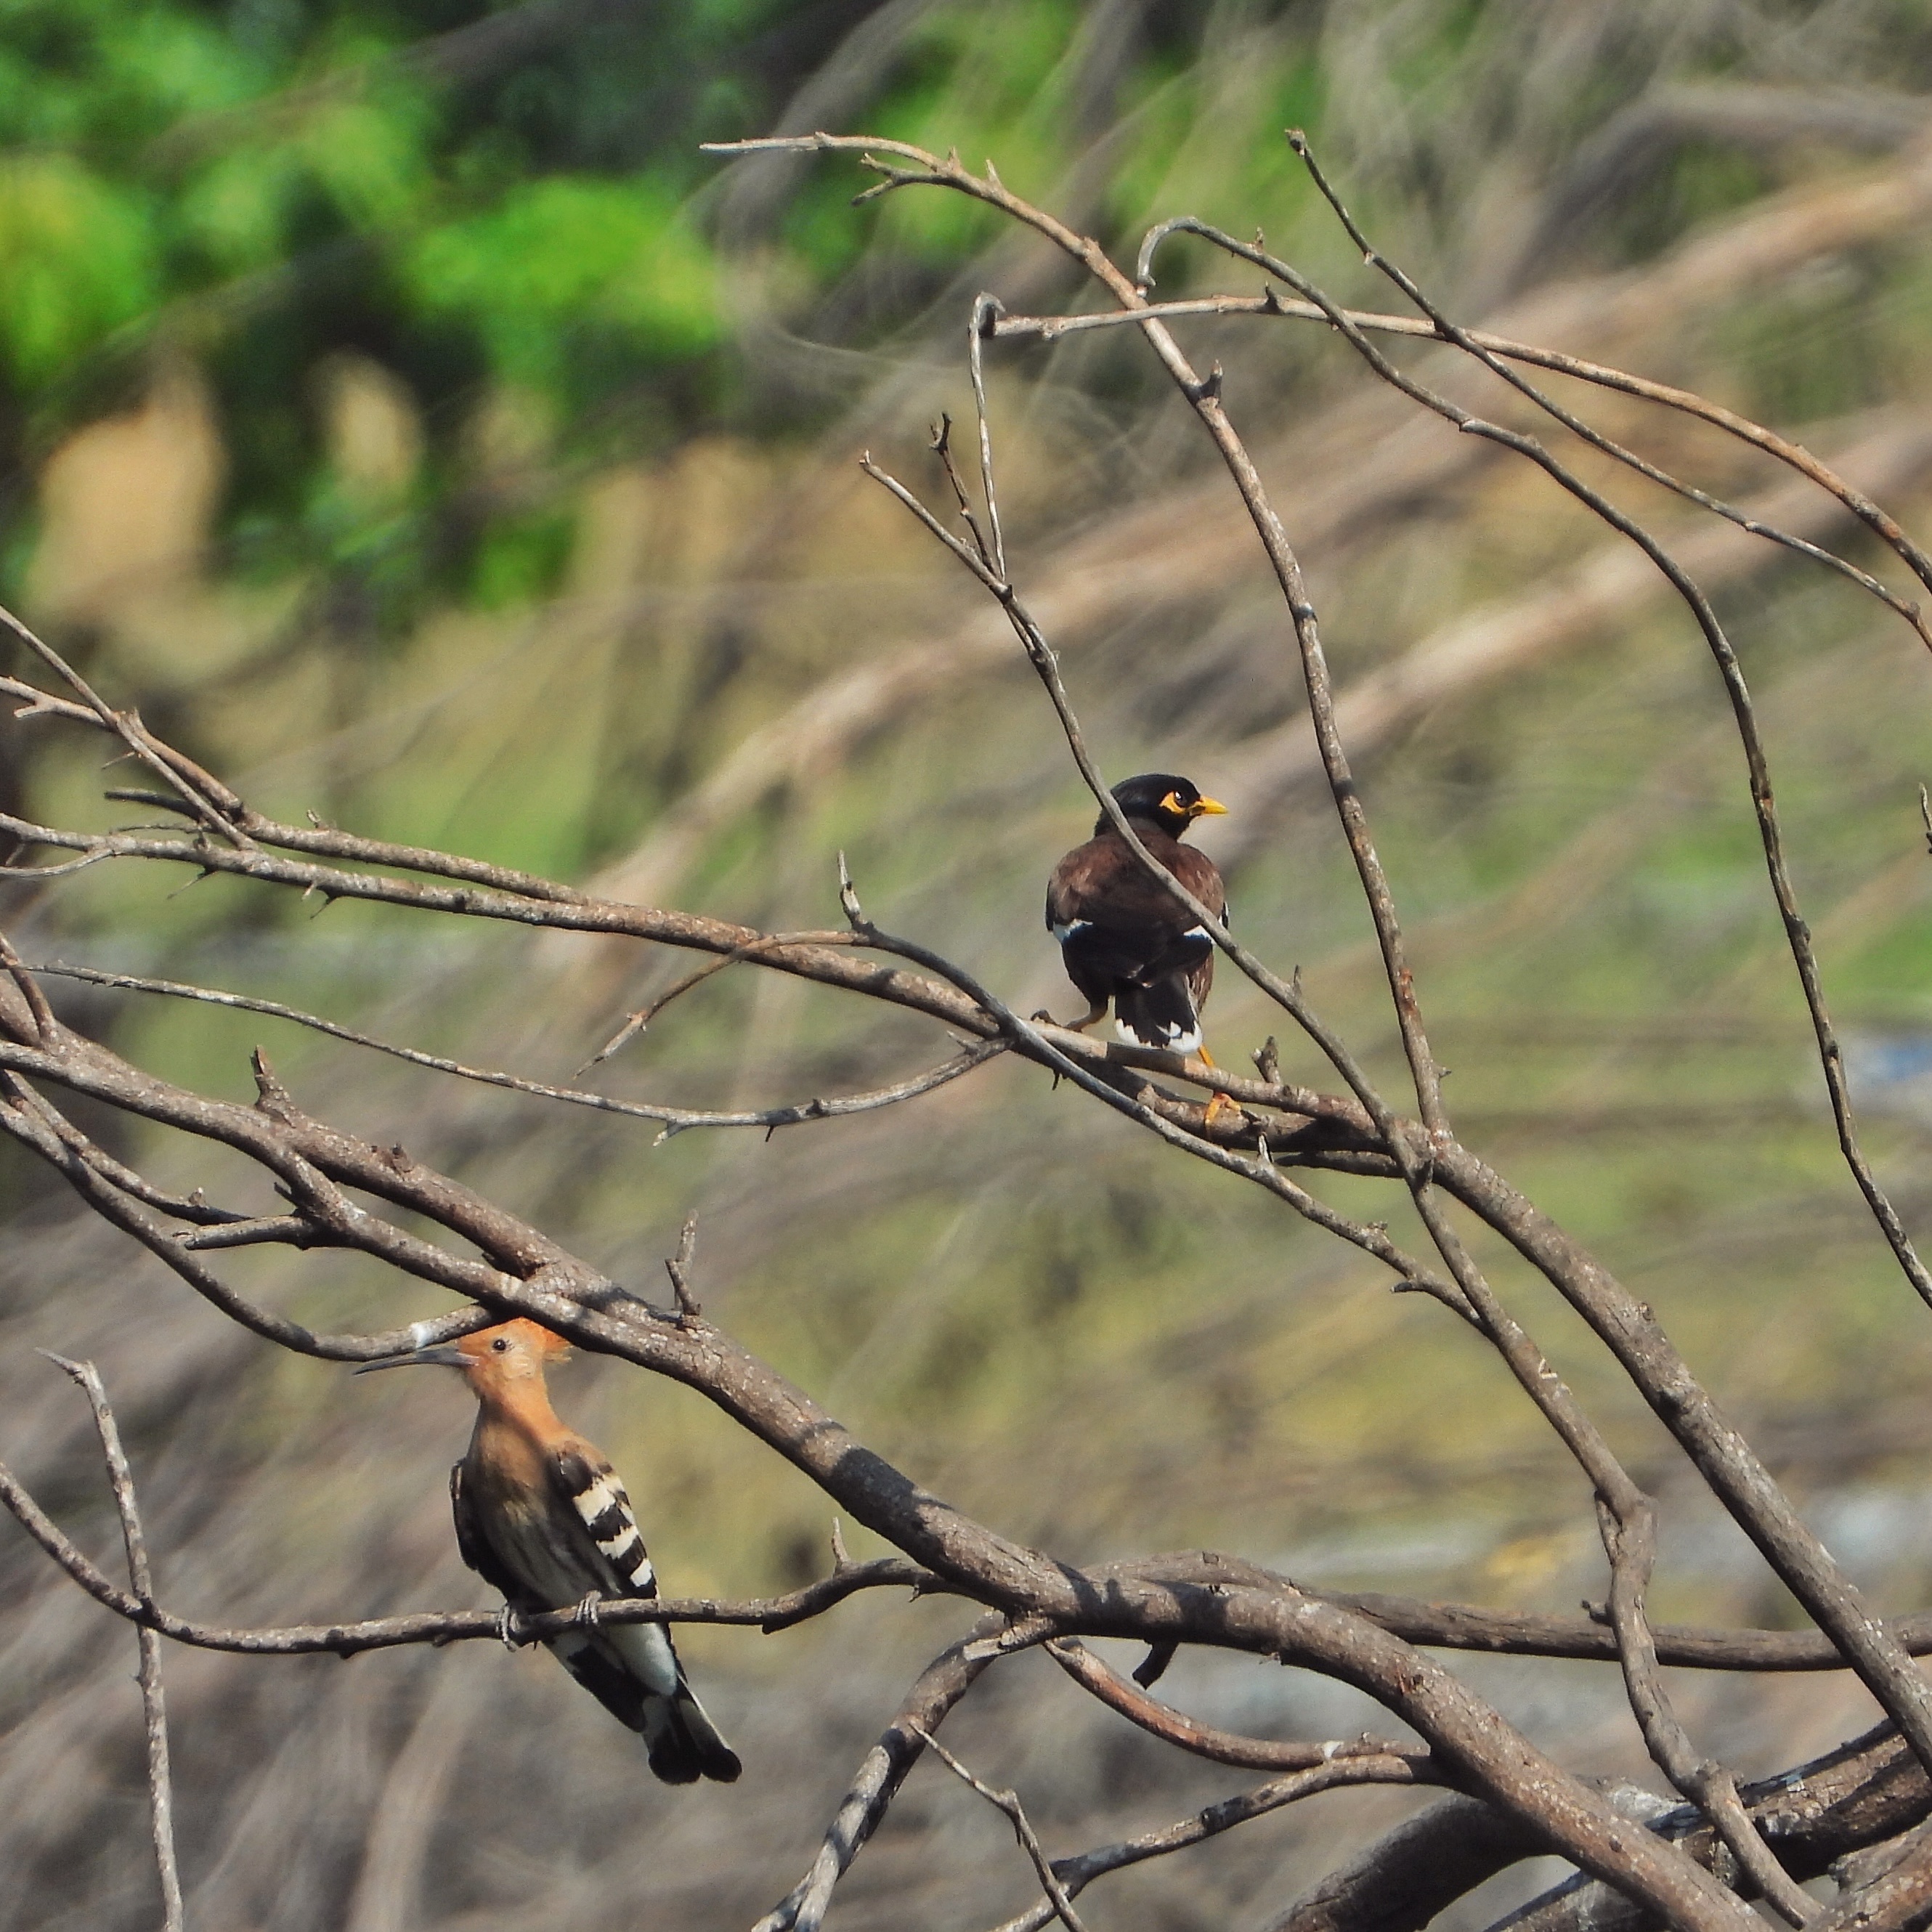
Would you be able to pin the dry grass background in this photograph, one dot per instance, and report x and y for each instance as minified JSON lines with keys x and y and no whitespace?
{"x":756,"y":662}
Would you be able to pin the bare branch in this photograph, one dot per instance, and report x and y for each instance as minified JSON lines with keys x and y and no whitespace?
{"x":154,"y":1702}
{"x":438,"y":1627}
{"x":1009,"y":1802}
{"x":986,"y":311}
{"x":1797,"y":932}
{"x":942,"y":447}
{"x":174,"y":771}
{"x":636,"y":1021}
{"x":1175,"y":1727}
{"x":673,"y":1119}
{"x":1077,"y":1873}
{"x":1864,"y":1794}
{"x":1628,"y":1528}
{"x":940,"y":1686}
{"x":1048,"y":328}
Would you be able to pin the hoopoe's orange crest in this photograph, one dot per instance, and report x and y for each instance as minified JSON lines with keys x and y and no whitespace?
{"x":520,"y":1337}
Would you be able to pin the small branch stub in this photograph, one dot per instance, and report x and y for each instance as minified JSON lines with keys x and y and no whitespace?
{"x":679,"y":1267}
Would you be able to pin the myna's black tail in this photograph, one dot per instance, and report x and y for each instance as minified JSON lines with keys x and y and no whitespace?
{"x":1162,"y":1015}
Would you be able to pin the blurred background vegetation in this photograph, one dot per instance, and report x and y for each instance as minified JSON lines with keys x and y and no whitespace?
{"x":397,"y":408}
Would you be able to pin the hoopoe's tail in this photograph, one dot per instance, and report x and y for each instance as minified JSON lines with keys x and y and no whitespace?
{"x":683,"y":1743}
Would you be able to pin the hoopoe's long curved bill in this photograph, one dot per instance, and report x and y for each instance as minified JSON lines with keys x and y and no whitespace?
{"x":441,"y":1355}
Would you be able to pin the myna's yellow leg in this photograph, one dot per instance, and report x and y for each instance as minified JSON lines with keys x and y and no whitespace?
{"x":1218,"y":1103}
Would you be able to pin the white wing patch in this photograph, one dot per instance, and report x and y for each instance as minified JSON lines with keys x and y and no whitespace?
{"x":600,"y":1493}
{"x":1066,"y":929}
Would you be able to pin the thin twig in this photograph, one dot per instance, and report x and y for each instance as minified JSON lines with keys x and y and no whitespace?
{"x":1077,"y":1873}
{"x":1630,"y":1538}
{"x":129,"y":728}
{"x":940,"y":1686}
{"x":637,"y":1020}
{"x":154,"y":1702}
{"x":986,"y":311}
{"x":942,"y":447}
{"x":673,"y":1119}
{"x":1757,"y":762}
{"x":1009,"y":1802}
{"x":1049,"y":328}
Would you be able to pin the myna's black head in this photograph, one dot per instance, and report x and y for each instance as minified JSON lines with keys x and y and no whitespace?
{"x":1171,"y":803}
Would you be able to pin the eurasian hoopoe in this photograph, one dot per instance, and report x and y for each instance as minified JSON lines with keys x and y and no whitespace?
{"x":541,"y":1514}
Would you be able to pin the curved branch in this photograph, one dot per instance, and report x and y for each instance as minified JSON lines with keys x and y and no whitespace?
{"x":1176,"y":1727}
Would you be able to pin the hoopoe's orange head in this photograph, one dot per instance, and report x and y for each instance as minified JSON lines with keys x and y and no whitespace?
{"x":493,"y":1359}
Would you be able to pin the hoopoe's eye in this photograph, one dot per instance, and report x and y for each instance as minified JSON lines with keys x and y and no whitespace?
{"x":500,"y":1344}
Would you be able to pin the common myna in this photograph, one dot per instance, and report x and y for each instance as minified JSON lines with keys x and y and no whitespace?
{"x":1124,"y":936}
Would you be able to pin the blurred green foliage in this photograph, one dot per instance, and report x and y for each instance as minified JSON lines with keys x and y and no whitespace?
{"x":480,"y":198}
{"x":512,"y":201}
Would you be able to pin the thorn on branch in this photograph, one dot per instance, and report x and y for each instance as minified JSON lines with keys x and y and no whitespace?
{"x":1266,"y":1057}
{"x":1925,"y":813}
{"x":848,"y":900}
{"x":633,"y":1024}
{"x":942,"y":447}
{"x":271,"y":1096}
{"x":157,"y":801}
{"x":679,"y":1266}
{"x":1152,"y":1667}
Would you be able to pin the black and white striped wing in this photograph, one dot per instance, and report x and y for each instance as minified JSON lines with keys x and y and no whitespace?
{"x":616,"y":1554}
{"x":632,"y":1669}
